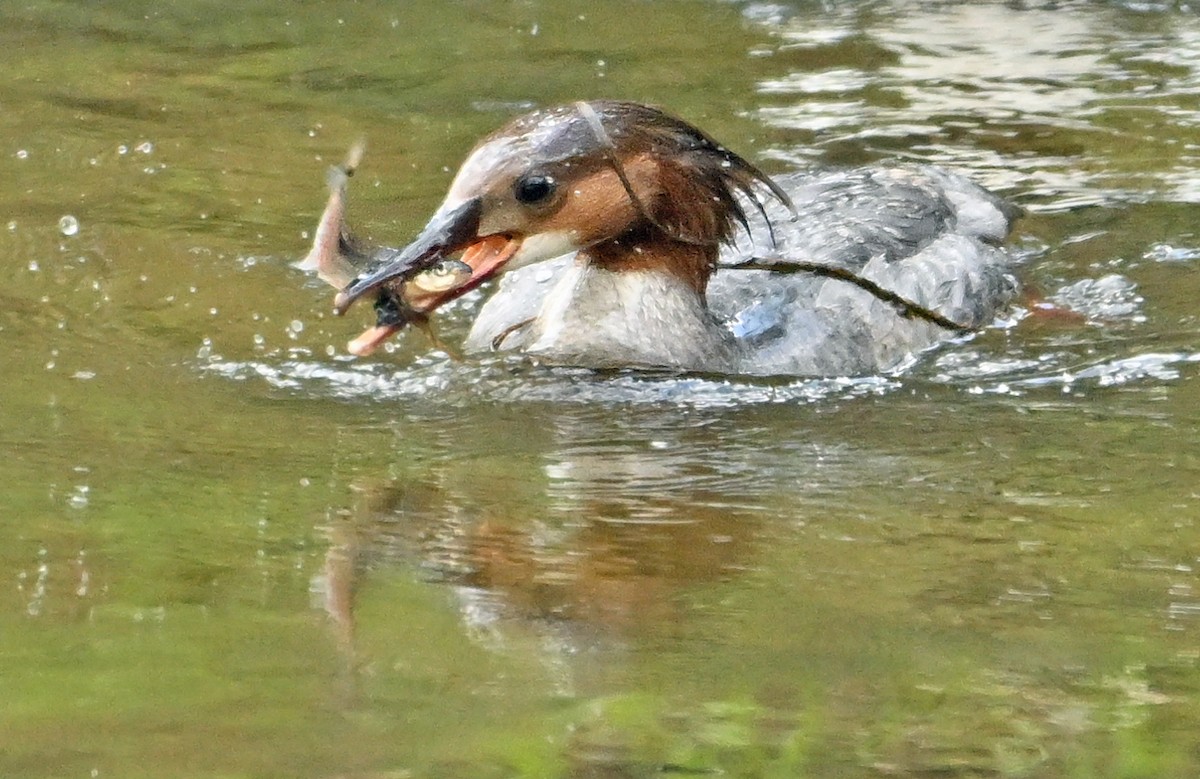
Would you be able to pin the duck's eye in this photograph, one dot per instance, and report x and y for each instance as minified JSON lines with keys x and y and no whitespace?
{"x":533,"y":189}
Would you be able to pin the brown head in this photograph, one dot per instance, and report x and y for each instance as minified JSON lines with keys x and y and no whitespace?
{"x":627,"y":185}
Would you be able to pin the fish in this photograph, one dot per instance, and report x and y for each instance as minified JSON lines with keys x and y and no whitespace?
{"x":337,"y":259}
{"x":328,"y":257}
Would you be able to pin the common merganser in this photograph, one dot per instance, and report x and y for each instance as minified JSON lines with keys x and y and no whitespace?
{"x":614,"y":224}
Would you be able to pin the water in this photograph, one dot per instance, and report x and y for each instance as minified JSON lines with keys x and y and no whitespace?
{"x":230,"y":550}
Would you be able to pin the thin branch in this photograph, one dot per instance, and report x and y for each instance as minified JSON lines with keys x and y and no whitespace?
{"x":907,"y":308}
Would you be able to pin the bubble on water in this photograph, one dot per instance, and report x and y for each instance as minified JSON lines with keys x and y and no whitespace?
{"x":33,"y":266}
{"x":12,"y":226}
{"x":22,"y":154}
{"x":122,"y":149}
{"x":145,"y":147}
{"x":68,"y":225}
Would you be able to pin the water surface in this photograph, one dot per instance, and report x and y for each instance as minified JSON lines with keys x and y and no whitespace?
{"x":231,"y":550}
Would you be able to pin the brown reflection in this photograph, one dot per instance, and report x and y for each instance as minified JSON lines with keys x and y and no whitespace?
{"x":607,"y":567}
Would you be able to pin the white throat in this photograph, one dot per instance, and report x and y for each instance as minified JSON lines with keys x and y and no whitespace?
{"x":599,"y":318}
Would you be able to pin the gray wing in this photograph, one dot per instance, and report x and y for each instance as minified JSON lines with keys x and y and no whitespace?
{"x":927,"y":235}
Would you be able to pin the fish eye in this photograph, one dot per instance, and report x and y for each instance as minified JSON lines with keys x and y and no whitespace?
{"x":533,"y":188}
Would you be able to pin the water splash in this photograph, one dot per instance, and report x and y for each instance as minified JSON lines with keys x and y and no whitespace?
{"x":441,"y":380}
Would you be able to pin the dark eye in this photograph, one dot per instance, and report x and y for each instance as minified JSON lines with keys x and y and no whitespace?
{"x":533,"y":188}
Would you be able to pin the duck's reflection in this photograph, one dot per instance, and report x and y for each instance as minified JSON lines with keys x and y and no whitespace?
{"x":610,"y":566}
{"x":599,"y":542}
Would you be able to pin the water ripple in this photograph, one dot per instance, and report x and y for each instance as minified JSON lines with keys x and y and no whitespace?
{"x":508,"y":380}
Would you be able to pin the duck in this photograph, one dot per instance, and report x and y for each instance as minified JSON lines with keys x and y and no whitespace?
{"x":623,"y":237}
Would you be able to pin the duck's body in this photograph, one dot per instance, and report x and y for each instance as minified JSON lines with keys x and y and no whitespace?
{"x":924,"y":234}
{"x":619,"y":265}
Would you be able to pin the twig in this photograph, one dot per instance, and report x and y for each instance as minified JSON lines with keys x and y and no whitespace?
{"x":907,"y":308}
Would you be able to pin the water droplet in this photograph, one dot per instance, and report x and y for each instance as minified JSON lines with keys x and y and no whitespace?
{"x":34,"y":267}
{"x":68,"y":225}
{"x":12,"y":226}
{"x":79,"y":498}
{"x":22,"y":154}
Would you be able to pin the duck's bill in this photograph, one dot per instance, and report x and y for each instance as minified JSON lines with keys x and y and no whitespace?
{"x":408,"y":283}
{"x":402,"y":303}
{"x":448,"y":232}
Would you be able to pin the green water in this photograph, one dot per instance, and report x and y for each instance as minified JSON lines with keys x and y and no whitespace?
{"x":227,"y":550}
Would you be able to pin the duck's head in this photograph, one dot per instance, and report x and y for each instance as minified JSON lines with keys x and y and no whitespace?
{"x":606,"y":178}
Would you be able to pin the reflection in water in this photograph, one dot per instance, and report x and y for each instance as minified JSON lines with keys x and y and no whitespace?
{"x":627,"y":520}
{"x":634,"y":512}
{"x":610,"y":568}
